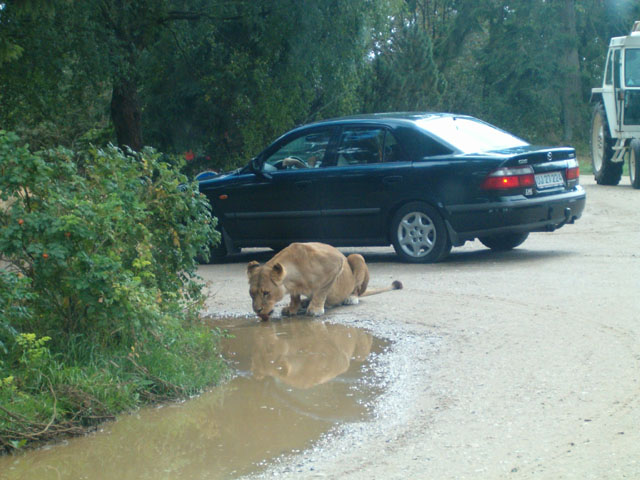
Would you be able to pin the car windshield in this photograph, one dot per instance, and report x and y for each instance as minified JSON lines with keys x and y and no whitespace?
{"x":469,"y":135}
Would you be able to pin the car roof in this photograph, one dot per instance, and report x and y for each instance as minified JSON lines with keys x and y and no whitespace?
{"x":390,"y":118}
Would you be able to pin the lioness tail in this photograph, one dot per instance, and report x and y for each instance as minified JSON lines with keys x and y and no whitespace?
{"x":396,"y":285}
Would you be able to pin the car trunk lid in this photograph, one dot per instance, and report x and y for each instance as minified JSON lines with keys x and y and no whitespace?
{"x":534,"y":171}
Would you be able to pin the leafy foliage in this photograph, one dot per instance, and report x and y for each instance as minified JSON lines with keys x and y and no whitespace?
{"x":222,"y":79}
{"x":98,"y":250}
{"x":226,"y":88}
{"x":107,"y":240}
{"x":390,"y":87}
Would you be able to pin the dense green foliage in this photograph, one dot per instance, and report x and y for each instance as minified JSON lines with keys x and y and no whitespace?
{"x":99,"y":301}
{"x":221,"y":79}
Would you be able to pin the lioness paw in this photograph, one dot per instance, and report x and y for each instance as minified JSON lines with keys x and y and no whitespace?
{"x":290,"y":312}
{"x":315,"y":313}
{"x":352,"y":300}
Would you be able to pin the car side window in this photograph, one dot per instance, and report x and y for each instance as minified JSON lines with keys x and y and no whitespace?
{"x":360,"y":146}
{"x":392,"y":149}
{"x":365,"y":145}
{"x":305,"y":151}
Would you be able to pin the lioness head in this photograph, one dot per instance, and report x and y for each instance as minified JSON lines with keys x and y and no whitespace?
{"x":265,"y":287}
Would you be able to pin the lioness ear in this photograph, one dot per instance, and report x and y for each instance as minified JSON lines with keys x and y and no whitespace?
{"x":277,"y":273}
{"x":251,"y":266}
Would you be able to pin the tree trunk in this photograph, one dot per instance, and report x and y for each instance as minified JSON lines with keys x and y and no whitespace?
{"x":571,"y":79}
{"x":126,"y":114}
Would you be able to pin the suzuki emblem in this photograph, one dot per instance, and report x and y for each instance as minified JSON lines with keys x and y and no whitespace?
{"x":549,"y":156}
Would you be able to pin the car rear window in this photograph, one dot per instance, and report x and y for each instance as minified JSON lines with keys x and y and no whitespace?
{"x":469,"y":135}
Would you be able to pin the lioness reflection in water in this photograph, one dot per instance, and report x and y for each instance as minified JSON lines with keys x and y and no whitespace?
{"x":301,"y":354}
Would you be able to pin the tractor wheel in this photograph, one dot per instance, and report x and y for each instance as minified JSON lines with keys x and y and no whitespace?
{"x":634,"y":163}
{"x":605,"y":171}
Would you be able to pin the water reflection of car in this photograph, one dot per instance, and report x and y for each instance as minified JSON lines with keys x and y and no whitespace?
{"x":421,"y":182}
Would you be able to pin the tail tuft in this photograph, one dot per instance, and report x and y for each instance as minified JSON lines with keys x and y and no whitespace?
{"x":397,"y":285}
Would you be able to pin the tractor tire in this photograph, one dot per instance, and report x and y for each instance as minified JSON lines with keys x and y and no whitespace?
{"x":634,"y":163}
{"x":605,"y":171}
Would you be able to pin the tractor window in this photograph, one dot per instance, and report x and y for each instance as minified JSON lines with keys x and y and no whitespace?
{"x":616,"y":68}
{"x":632,"y":67}
{"x":608,"y":78}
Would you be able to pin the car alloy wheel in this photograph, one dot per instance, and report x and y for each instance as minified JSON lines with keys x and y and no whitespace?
{"x":419,"y":234}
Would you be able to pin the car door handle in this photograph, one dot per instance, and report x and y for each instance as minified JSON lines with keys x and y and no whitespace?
{"x":392,"y":180}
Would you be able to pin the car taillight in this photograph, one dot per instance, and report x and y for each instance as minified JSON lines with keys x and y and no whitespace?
{"x":573,"y":170}
{"x":510,"y":177}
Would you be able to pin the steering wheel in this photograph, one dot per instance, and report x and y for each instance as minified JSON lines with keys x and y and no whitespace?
{"x":290,"y":162}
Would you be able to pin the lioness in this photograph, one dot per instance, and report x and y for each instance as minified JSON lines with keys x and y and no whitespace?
{"x":316,"y":270}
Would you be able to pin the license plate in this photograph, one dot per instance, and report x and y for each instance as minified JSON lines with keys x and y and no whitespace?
{"x":548,"y":180}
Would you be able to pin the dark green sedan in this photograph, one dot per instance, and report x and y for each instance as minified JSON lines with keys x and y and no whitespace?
{"x":422,"y":182}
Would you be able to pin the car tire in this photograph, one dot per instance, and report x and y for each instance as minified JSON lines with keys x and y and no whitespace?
{"x":418,"y":234}
{"x":605,"y":171}
{"x":504,"y":242}
{"x":634,"y":163}
{"x":218,"y":253}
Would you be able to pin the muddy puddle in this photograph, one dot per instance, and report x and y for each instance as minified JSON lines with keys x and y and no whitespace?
{"x":295,"y":381}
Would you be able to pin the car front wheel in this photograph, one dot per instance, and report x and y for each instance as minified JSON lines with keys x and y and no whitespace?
{"x":505,"y":241}
{"x":419,"y":234}
{"x":219,"y":252}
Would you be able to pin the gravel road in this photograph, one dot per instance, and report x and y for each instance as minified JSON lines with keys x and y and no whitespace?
{"x":520,"y":365}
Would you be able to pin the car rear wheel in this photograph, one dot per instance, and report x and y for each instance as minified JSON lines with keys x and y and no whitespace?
{"x":634,"y":163}
{"x":605,"y":171}
{"x":505,"y":241}
{"x":419,"y":234}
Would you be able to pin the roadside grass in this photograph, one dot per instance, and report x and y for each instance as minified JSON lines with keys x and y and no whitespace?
{"x":47,"y":395}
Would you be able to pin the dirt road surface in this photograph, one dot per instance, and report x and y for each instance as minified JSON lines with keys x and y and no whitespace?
{"x":520,"y":365}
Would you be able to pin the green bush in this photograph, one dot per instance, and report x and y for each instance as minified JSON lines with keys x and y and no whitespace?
{"x":106,"y":239}
{"x":99,"y":297}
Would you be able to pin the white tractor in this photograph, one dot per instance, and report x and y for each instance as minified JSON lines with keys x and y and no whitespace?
{"x":615,"y":126}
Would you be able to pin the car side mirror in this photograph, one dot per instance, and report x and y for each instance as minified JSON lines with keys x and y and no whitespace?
{"x":256,"y":168}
